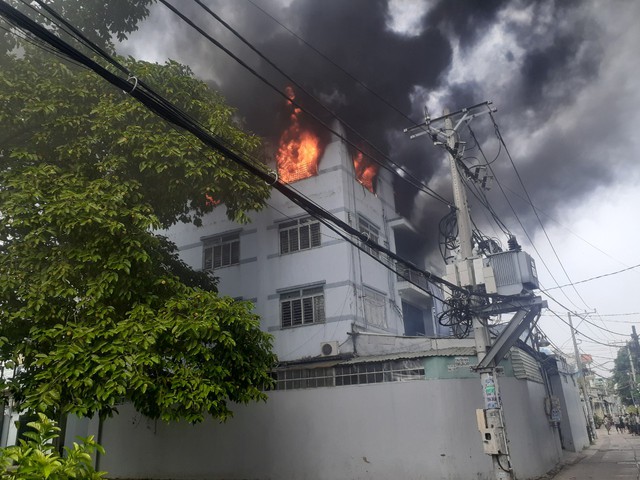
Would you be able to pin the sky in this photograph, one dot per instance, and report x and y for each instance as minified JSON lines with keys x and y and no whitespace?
{"x":563,"y":76}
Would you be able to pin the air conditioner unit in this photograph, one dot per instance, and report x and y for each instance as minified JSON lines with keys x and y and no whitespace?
{"x":329,"y":349}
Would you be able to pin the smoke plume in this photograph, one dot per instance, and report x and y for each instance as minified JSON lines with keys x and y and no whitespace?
{"x":558,"y":71}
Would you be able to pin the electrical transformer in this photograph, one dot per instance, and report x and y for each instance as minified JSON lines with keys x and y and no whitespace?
{"x":513,"y":271}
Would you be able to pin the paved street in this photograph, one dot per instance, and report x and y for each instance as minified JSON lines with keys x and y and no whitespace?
{"x":614,"y":456}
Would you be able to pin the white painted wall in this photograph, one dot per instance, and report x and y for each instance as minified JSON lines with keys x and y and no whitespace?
{"x":573,"y":424}
{"x":339,"y":266}
{"x":410,"y":430}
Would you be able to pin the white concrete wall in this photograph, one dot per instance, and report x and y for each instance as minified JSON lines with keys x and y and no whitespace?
{"x":410,"y":430}
{"x":573,"y":424}
{"x":533,"y":440}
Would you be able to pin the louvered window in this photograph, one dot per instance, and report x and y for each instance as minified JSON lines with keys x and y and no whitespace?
{"x":301,"y":234}
{"x":222,"y":251}
{"x":302,"y":307}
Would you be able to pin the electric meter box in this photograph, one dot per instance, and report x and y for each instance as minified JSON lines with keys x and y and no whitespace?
{"x":514,"y":272}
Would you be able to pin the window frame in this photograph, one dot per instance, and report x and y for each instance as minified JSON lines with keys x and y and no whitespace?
{"x":302,"y":306}
{"x":291,"y":238}
{"x":375,"y":306}
{"x":221,"y":251}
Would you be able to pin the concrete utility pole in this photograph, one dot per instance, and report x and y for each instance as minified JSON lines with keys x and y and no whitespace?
{"x":591,"y":426}
{"x":473,"y":272}
{"x":636,"y":344}
{"x":633,"y":377}
{"x":493,"y":417}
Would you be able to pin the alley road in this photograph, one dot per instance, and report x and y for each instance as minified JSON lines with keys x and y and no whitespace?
{"x":614,"y":456}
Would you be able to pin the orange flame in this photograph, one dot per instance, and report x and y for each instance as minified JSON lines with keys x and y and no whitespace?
{"x":298,"y":151}
{"x":210,"y":201}
{"x":366,"y":171}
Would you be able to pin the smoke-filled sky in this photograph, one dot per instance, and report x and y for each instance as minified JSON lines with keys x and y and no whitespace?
{"x":562,"y":74}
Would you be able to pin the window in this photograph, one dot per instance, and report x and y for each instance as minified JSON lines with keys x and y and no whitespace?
{"x":375,"y":308}
{"x":222,"y":251}
{"x":343,"y":375}
{"x":302,"y":307}
{"x":372,"y":232}
{"x":299,"y":234}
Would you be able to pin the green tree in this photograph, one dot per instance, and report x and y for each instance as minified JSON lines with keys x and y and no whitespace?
{"x":622,"y":376}
{"x":100,"y":21}
{"x":94,"y":306}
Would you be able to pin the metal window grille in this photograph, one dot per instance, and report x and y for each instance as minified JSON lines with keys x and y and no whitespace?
{"x":301,"y":234}
{"x":344,"y":375}
{"x":302,"y":307}
{"x":372,"y":232}
{"x":222,"y":251}
{"x":375,"y":310}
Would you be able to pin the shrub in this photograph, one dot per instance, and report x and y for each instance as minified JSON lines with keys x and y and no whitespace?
{"x":37,"y":458}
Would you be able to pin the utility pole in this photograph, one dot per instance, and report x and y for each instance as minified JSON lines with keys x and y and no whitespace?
{"x":493,"y":417}
{"x":591,"y":426}
{"x":474,"y":273}
{"x":636,"y":344}
{"x":633,"y":377}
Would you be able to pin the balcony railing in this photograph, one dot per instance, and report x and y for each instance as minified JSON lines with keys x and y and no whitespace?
{"x":406,"y":274}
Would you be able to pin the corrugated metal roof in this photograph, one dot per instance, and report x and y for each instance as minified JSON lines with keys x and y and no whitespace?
{"x":442,"y":352}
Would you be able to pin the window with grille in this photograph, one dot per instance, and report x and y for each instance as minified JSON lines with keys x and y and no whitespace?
{"x":302,"y":307}
{"x":344,"y":375}
{"x":222,"y":251}
{"x":372,"y":232}
{"x":375,"y":308}
{"x":301,"y":234}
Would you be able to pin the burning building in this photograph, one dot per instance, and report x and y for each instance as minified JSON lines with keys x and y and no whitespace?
{"x":366,"y":383}
{"x":306,"y":282}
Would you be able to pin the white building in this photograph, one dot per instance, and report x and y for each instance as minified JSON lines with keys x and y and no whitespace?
{"x":374,"y":403}
{"x":311,"y":287}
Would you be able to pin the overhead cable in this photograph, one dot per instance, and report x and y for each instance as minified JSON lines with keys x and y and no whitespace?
{"x":171,"y":113}
{"x":524,"y":189}
{"x":597,"y":277}
{"x":297,"y":104}
{"x":517,"y":217}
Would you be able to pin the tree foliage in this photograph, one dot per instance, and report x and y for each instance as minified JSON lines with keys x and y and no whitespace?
{"x":36,"y":458}
{"x":94,"y":306}
{"x":622,"y":375}
{"x":100,"y":21}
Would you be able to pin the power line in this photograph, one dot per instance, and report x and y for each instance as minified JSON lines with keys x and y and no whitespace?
{"x":328,"y":59}
{"x":515,"y":214}
{"x":420,"y":186}
{"x":524,"y":189}
{"x":594,"y":278}
{"x":598,"y":326}
{"x":169,"y":112}
{"x":595,"y":247}
{"x":581,"y":333}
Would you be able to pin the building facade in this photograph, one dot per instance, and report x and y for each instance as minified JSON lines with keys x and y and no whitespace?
{"x":311,"y":287}
{"x":368,"y":386}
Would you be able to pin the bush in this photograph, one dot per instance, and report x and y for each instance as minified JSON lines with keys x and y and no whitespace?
{"x":37,"y":457}
{"x":598,"y":420}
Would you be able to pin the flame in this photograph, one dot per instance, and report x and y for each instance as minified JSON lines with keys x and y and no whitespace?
{"x":366,"y":171}
{"x":210,"y":201}
{"x":298,"y":151}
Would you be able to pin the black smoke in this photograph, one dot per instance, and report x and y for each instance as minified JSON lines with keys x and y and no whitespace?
{"x":555,"y":54}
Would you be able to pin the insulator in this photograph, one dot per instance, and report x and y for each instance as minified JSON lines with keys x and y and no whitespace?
{"x":513,"y":244}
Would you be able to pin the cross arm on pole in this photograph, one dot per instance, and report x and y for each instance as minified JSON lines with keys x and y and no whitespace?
{"x":518,"y":324}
